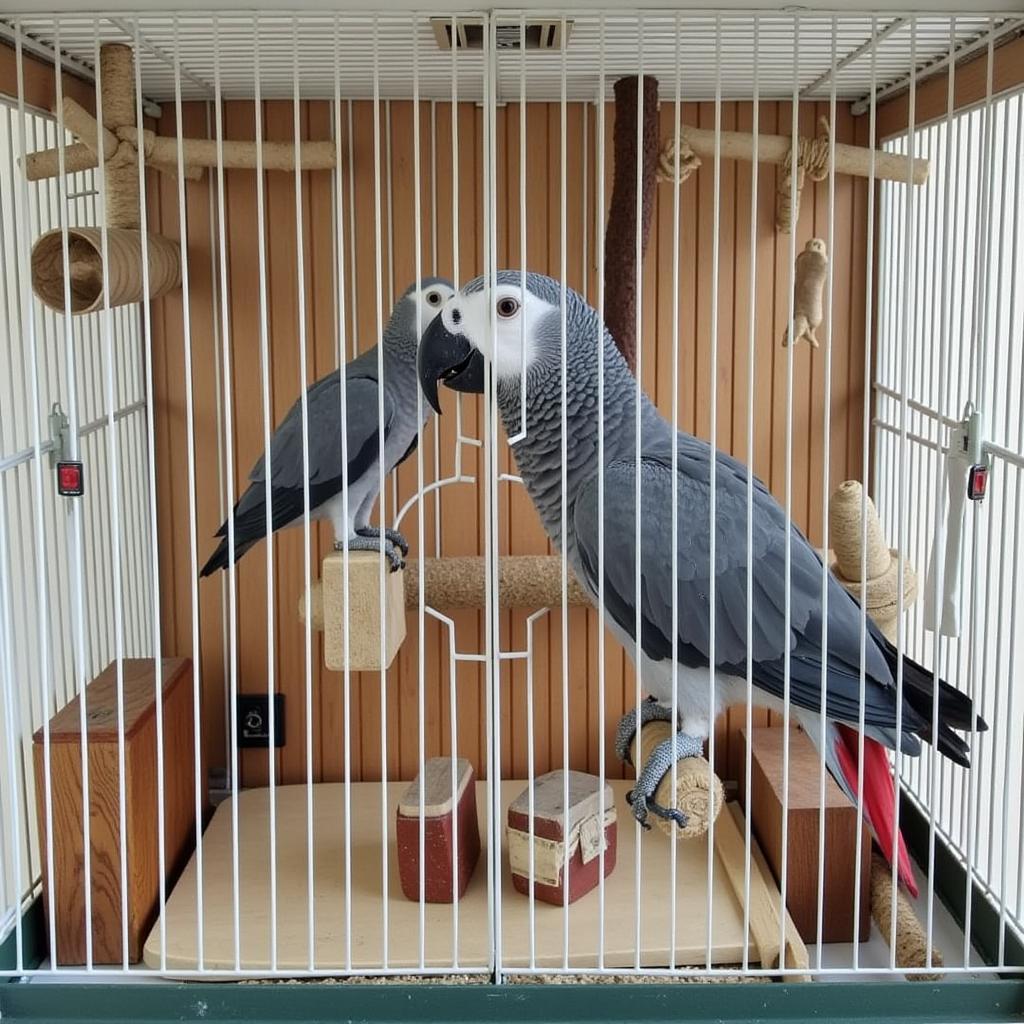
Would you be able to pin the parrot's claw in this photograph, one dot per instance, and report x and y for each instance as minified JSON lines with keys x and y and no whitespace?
{"x":392,"y":535}
{"x":363,"y":543}
{"x":650,"y":711}
{"x":642,"y":805}
{"x":655,"y":768}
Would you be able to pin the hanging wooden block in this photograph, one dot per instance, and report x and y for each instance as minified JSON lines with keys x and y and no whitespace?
{"x":368,"y":617}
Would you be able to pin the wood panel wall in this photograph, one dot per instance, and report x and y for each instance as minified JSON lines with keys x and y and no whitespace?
{"x":458,"y":511}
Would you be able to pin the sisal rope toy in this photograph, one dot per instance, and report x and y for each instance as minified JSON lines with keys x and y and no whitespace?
{"x":688,"y":161}
{"x":812,"y":161}
{"x":808,"y":288}
{"x":879,"y":590}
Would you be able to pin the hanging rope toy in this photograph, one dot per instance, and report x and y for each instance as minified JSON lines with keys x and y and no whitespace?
{"x":808,"y":287}
{"x":812,"y":160}
{"x":688,"y":160}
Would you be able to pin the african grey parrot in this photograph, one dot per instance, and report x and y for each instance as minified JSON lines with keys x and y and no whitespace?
{"x":327,"y":472}
{"x":453,"y":350}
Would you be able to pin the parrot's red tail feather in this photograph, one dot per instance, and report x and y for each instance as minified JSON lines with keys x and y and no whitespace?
{"x":879,"y":795}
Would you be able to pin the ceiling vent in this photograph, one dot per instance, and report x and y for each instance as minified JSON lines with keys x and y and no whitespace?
{"x":469,"y":34}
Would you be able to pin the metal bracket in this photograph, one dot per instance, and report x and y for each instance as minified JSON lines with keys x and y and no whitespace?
{"x":59,"y":429}
{"x":968,"y":441}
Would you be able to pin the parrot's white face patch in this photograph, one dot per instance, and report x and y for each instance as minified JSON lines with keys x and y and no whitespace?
{"x":429,"y":300}
{"x":502,"y":324}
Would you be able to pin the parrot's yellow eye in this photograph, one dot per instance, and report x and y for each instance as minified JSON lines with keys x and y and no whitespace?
{"x":507,"y":307}
{"x":434,"y":298}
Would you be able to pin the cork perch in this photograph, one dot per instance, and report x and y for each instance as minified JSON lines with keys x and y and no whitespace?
{"x":879,"y":591}
{"x":524,"y":581}
{"x":82,"y":269}
{"x":911,"y":939}
{"x":698,"y":791}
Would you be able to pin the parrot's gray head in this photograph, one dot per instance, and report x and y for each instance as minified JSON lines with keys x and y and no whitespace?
{"x":516,"y":329}
{"x":413,"y":312}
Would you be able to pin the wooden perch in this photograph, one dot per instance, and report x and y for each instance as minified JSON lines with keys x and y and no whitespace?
{"x":94,"y":267}
{"x":621,"y":233}
{"x":524,"y":581}
{"x":774,"y":149}
{"x":161,"y":151}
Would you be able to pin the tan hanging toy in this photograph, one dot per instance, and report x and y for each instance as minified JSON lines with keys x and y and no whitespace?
{"x":808,"y":288}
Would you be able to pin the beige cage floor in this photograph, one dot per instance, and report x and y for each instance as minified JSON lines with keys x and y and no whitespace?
{"x":403,"y":917}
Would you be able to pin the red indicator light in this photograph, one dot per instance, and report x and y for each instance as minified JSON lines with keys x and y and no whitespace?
{"x":977,"y":482}
{"x":70,"y":479}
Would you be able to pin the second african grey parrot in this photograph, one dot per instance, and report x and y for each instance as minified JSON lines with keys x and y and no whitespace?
{"x":508,"y":326}
{"x":366,"y":389}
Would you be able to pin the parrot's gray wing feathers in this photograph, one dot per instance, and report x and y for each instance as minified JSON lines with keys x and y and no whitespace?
{"x":691,"y":581}
{"x":323,"y":411}
{"x":326,"y":468}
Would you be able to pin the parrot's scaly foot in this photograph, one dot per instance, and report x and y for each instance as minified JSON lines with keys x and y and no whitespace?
{"x":657,"y":766}
{"x":650,"y":711}
{"x":361,"y":543}
{"x":392,"y":535}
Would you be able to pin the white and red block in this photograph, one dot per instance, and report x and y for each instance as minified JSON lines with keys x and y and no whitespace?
{"x":566,"y":840}
{"x":451,"y":834}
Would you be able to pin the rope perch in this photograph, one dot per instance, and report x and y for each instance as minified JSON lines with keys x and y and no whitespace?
{"x":812,"y":161}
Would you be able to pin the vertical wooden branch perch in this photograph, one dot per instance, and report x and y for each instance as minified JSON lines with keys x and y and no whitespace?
{"x":620,"y":236}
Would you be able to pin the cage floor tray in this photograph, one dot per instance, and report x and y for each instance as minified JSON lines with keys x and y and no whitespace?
{"x":389,"y":933}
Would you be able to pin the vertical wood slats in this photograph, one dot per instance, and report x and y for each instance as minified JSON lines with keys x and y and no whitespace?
{"x":460,"y":507}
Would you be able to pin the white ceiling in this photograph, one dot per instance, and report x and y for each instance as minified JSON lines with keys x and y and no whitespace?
{"x":731,"y":52}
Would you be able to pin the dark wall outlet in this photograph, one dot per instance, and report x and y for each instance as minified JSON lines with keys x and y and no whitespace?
{"x":253,"y":718}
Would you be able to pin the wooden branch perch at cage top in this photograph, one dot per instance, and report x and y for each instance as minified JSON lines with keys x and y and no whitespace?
{"x":96,"y":267}
{"x":96,"y":277}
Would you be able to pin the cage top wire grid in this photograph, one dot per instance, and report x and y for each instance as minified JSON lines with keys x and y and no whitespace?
{"x":716,"y":50}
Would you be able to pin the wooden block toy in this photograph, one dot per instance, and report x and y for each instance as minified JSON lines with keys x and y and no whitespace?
{"x":764,"y":806}
{"x":367,"y":616}
{"x":141,"y":781}
{"x":566,"y":844}
{"x":451,"y":843}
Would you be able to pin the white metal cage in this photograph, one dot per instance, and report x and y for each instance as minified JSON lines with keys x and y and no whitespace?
{"x":462,"y":162}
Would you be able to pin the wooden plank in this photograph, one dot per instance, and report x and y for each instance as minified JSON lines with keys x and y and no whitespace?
{"x":474,"y":938}
{"x":243,"y":285}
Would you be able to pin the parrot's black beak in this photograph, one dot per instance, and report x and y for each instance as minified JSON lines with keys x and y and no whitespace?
{"x":450,"y":358}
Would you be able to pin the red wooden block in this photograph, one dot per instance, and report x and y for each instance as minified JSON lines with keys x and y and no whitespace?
{"x":581,"y":830}
{"x":446,"y":821}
